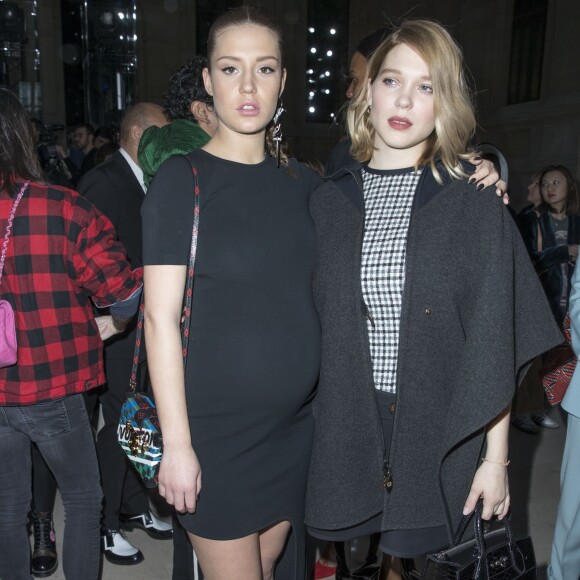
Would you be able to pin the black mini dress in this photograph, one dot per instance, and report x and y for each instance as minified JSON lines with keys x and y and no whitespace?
{"x":254,"y":344}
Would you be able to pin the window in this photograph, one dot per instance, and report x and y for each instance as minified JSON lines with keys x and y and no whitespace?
{"x":527,"y":53}
{"x":327,"y":41}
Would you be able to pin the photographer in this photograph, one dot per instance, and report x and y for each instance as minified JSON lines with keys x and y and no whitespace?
{"x":51,"y":155}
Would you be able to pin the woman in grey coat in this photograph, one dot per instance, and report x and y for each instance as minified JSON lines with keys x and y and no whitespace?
{"x":429,"y":309}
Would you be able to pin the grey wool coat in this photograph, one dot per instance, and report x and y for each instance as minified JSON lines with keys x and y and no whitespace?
{"x":473,"y":314}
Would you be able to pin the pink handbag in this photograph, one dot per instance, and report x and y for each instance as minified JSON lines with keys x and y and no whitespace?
{"x":8,"y":346}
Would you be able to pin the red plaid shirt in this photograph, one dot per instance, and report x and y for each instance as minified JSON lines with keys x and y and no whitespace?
{"x":62,"y":252}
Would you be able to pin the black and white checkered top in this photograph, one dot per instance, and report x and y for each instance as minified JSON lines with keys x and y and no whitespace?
{"x":388,"y":196}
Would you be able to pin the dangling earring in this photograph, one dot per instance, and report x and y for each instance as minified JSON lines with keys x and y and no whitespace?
{"x":277,"y":132}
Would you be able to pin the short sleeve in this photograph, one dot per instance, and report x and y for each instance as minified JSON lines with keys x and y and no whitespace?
{"x":167,"y":214}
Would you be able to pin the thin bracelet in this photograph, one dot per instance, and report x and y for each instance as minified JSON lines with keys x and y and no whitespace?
{"x":504,"y":463}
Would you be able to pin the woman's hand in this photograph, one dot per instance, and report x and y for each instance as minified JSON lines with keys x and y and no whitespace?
{"x":107,"y":327}
{"x":573,"y":250}
{"x":485,"y":174}
{"x":491,"y":483}
{"x":180,"y":478}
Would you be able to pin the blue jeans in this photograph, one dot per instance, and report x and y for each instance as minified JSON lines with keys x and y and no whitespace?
{"x":63,"y":435}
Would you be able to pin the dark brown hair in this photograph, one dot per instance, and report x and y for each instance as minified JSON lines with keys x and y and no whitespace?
{"x":572,"y":201}
{"x":185,"y":87}
{"x":18,"y":156}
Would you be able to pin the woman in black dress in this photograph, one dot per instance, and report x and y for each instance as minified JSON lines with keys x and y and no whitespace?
{"x":237,"y":431}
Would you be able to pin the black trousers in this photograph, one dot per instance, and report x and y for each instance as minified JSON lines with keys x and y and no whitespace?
{"x":122,"y":487}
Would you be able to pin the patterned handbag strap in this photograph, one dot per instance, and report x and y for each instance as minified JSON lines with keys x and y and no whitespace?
{"x":9,"y":226}
{"x":188,"y":293}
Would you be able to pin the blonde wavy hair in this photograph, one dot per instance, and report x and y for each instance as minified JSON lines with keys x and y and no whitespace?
{"x":452,"y":101}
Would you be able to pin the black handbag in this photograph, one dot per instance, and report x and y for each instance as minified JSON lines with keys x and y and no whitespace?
{"x":139,"y":432}
{"x":490,"y":555}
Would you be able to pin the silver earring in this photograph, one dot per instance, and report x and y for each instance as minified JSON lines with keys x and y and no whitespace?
{"x":277,"y":132}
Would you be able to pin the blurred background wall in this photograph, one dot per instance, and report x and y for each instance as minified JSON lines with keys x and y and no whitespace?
{"x":77,"y":60}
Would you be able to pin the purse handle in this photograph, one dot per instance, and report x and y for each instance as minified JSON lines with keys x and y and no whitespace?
{"x":9,"y":227}
{"x":479,"y":529}
{"x":188,"y":292}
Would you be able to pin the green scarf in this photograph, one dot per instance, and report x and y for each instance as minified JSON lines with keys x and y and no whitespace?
{"x":159,"y":143}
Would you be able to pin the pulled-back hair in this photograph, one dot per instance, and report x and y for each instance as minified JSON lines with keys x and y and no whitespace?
{"x":452,"y":102}
{"x":185,"y":87}
{"x":249,"y":16}
{"x":572,"y":205}
{"x":18,"y":156}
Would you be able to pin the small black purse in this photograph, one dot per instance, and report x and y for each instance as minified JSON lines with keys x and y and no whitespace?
{"x":490,"y":555}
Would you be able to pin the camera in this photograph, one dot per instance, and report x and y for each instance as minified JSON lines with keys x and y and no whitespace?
{"x":52,"y":165}
{"x":47,"y":140}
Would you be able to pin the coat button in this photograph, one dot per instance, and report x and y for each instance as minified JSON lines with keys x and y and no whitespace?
{"x":392,"y":408}
{"x":427,"y":311}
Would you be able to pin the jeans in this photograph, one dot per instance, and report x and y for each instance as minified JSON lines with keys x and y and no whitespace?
{"x":63,"y":435}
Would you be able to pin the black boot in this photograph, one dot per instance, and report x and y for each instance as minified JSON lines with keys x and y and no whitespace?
{"x":44,"y":559}
{"x":347,"y":568}
{"x":409,"y":569}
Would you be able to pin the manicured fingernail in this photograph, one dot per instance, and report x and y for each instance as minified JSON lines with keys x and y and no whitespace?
{"x":477,"y":158}
{"x":465,"y":510}
{"x":480,"y":186}
{"x":471,"y":179}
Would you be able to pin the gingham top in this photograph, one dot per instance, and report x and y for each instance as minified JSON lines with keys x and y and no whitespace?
{"x":388,"y":197}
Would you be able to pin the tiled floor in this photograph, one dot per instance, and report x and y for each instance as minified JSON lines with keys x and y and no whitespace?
{"x":534,"y":474}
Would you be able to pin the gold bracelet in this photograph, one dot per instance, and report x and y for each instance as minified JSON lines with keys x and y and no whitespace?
{"x":504,"y":463}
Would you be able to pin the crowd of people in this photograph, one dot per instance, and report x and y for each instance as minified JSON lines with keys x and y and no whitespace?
{"x":358,"y":342}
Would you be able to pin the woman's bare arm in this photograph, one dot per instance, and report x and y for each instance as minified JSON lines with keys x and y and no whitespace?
{"x":180,"y":472}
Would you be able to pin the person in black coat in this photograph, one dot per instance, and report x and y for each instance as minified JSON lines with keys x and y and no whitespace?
{"x":555,"y":234}
{"x":116,"y":188}
{"x":429,"y":308}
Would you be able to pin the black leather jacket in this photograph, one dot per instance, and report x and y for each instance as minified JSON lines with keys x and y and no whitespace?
{"x":548,"y":256}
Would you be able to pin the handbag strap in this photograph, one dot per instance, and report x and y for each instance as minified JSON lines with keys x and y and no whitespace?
{"x":188,"y":292}
{"x":479,"y":527}
{"x":9,"y":226}
{"x":480,"y":530}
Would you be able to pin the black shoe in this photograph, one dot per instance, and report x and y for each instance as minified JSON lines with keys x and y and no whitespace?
{"x":44,"y":559}
{"x":118,"y":550}
{"x":543,"y":420}
{"x":525,"y":424}
{"x":150,"y":523}
{"x":368,"y":569}
{"x":408,"y":570}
